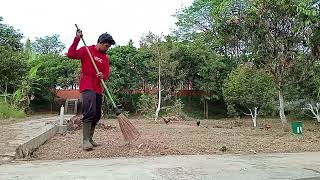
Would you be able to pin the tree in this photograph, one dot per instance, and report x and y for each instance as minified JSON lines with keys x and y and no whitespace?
{"x":161,"y":63}
{"x":9,"y":37}
{"x":28,"y":47}
{"x":214,"y":42}
{"x":127,"y":67}
{"x":212,"y":70}
{"x":196,"y":18}
{"x":128,"y":72}
{"x":57,"y":71}
{"x":218,"y":21}
{"x":48,"y":44}
{"x":12,"y":64}
{"x":13,"y":67}
{"x":315,"y":111}
{"x":249,"y":88}
{"x":278,"y":39}
{"x":25,"y":92}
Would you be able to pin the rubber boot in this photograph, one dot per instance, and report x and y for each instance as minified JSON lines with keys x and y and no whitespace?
{"x":94,"y":144}
{"x":86,"y":136}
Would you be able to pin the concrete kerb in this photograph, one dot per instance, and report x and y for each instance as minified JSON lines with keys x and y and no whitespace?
{"x":25,"y":149}
{"x":27,"y":136}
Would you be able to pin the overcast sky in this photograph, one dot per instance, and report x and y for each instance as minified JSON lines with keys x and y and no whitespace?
{"x":123,"y":19}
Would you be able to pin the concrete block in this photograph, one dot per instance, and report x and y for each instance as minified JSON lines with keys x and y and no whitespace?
{"x":27,"y":136}
{"x":26,"y":148}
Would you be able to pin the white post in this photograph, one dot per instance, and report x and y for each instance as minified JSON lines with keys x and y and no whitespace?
{"x":61,"y":115}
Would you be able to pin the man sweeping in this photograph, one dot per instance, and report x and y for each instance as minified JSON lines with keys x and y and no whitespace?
{"x":90,"y":82}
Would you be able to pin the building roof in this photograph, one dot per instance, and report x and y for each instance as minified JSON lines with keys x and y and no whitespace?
{"x":68,"y":94}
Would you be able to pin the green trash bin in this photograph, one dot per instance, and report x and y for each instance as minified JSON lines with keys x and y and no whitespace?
{"x":296,"y":127}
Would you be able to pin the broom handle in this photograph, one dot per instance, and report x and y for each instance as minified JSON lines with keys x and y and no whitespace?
{"x":97,"y":70}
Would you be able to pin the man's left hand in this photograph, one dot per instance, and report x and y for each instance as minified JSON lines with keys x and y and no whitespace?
{"x":100,"y":75}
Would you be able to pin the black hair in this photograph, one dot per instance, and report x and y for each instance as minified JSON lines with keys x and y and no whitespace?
{"x":106,"y":38}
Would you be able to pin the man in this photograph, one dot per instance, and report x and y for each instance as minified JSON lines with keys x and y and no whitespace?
{"x":90,"y":84}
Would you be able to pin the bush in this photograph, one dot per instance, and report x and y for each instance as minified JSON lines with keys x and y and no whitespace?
{"x":6,"y":111}
{"x":147,"y":105}
{"x":176,"y":107}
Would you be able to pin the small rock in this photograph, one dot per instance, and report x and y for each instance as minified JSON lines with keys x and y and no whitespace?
{"x":253,"y":151}
{"x":223,"y":148}
{"x":139,"y":147}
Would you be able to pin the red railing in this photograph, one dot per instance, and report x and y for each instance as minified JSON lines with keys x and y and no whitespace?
{"x":75,"y":94}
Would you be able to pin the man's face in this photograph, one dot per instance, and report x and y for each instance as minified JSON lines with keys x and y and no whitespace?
{"x":104,"y":47}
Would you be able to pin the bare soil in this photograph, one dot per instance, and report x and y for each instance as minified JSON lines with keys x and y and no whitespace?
{"x":236,"y":136}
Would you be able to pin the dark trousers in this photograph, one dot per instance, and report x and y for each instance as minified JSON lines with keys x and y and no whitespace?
{"x":91,"y":106}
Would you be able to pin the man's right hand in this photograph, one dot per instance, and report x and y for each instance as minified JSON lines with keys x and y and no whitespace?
{"x":79,"y":33}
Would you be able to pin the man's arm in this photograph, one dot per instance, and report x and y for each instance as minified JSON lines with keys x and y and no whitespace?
{"x":106,"y":69}
{"x":73,"y":53}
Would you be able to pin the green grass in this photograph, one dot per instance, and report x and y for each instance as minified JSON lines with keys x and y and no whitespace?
{"x":6,"y":111}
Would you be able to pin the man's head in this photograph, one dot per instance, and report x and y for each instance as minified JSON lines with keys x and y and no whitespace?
{"x":105,"y":41}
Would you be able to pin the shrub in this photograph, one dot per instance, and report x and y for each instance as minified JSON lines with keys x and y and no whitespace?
{"x":7,"y":111}
{"x":147,"y":105}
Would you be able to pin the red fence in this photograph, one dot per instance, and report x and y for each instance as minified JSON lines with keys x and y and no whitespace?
{"x":74,"y":94}
{"x":68,"y":94}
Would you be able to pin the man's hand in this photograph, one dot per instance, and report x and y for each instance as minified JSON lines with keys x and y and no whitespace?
{"x":79,"y":33}
{"x":100,"y":75}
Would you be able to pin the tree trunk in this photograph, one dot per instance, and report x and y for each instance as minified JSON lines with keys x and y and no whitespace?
{"x":159,"y":100}
{"x":6,"y":92}
{"x":204,"y":109}
{"x":253,"y":115}
{"x":254,"y":118}
{"x":207,"y":109}
{"x":315,"y":111}
{"x":143,"y":85}
{"x":281,"y":111}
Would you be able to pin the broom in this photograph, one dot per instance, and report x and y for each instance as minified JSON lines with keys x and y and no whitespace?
{"x":129,"y":132}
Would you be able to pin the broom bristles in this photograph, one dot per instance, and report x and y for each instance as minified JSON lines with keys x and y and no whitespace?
{"x":129,"y":132}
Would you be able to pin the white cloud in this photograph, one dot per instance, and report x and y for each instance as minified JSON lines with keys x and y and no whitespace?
{"x":123,"y":19}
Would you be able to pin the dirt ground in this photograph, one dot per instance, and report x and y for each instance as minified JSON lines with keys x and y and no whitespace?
{"x":234,"y":136}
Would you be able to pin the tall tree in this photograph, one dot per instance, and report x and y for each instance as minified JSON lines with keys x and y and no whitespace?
{"x":249,"y":89}
{"x":128,"y":72}
{"x":28,"y":46}
{"x":218,"y":21}
{"x":10,"y":57}
{"x":10,"y":38}
{"x":13,"y":67}
{"x":278,"y":32}
{"x":48,"y":44}
{"x":127,"y":67}
{"x":161,"y":63}
{"x":196,"y":18}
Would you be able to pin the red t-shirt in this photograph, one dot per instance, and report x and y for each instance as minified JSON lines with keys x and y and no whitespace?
{"x":89,"y":79}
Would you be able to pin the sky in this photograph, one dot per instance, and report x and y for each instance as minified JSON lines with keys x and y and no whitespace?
{"x":123,"y":19}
